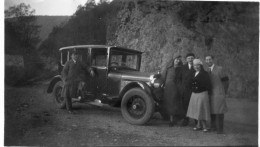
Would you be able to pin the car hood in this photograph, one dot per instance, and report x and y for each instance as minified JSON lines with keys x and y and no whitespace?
{"x":134,"y":75}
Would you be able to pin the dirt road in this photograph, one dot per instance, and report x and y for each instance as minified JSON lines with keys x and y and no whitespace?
{"x":31,"y":119}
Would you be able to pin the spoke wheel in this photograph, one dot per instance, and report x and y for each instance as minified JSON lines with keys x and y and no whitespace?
{"x":137,"y":106}
{"x":57,"y":95}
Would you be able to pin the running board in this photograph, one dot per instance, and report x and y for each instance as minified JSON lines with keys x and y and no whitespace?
{"x":97,"y":103}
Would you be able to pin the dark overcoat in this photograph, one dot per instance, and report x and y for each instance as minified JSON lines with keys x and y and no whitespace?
{"x":200,"y":83}
{"x":172,"y":95}
{"x":186,"y":77}
{"x":72,"y":74}
{"x":199,"y":107}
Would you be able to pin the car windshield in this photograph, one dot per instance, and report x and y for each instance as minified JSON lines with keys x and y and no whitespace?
{"x":125,"y":60}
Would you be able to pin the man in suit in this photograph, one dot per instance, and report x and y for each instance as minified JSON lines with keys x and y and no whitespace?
{"x":187,"y":73}
{"x":73,"y":74}
{"x":220,"y":82}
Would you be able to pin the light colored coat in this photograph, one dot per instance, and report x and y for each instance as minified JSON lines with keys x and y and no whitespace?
{"x":218,"y":96}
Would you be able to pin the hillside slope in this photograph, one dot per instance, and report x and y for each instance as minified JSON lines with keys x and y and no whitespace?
{"x":48,"y":22}
{"x":229,"y":31}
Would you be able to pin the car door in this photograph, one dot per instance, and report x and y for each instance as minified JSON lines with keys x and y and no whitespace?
{"x":98,"y":83}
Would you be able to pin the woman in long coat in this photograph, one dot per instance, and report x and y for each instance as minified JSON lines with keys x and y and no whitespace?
{"x":199,"y":106}
{"x":172,"y":94}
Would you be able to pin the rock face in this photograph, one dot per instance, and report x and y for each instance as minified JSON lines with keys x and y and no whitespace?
{"x":160,"y":29}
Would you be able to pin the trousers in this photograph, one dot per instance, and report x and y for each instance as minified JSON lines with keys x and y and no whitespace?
{"x":70,"y":91}
{"x":217,"y":122}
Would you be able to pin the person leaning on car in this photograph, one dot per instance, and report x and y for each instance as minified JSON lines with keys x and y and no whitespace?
{"x":73,"y":74}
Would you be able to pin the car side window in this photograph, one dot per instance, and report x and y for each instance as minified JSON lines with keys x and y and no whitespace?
{"x":99,"y":60}
{"x":99,"y":57}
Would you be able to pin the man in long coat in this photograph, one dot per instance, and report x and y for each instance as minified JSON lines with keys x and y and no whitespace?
{"x":187,"y":73}
{"x":73,"y":73}
{"x":219,"y":81}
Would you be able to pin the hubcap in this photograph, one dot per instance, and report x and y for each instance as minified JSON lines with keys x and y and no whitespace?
{"x":136,"y":106}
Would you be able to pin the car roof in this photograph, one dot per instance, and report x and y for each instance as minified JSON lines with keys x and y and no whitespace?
{"x":99,"y":46}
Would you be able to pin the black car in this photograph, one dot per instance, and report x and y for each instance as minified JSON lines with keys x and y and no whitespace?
{"x":117,"y":81}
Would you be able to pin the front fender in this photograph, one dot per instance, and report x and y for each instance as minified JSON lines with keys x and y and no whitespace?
{"x":131,"y":85}
{"x":54,"y":80}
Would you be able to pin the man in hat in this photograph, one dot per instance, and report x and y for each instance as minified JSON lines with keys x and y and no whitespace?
{"x":73,"y":74}
{"x":186,"y":75}
{"x":220,"y":82}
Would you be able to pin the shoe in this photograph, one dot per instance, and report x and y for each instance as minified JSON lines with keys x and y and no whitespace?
{"x":70,"y":112}
{"x":171,"y":124}
{"x":197,"y":129}
{"x":205,"y":130}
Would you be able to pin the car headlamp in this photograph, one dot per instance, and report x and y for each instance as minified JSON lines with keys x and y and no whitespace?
{"x":156,"y":85}
{"x":155,"y":82}
{"x":152,"y":79}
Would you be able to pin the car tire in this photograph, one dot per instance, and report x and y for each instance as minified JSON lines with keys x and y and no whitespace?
{"x":137,"y":106}
{"x":56,"y":94}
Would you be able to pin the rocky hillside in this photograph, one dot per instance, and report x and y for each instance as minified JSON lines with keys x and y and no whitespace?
{"x":160,"y":29}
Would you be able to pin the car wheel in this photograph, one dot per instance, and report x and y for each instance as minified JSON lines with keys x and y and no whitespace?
{"x":137,"y":106}
{"x":57,"y":96}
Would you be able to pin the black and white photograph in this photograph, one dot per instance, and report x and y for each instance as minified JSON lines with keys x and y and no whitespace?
{"x":130,"y":73}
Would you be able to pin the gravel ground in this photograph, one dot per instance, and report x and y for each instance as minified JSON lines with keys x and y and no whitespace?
{"x":31,"y":119}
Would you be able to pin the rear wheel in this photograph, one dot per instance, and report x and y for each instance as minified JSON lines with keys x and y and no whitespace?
{"x":137,"y":106}
{"x":57,"y":96}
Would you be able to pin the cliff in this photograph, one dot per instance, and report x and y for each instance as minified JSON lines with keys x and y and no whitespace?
{"x":160,"y":29}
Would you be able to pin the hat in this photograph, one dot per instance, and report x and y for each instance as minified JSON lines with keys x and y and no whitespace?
{"x":190,"y":54}
{"x":74,"y":51}
{"x":197,"y":61}
{"x":176,"y":56}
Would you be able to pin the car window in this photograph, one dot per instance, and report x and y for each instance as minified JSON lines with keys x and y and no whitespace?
{"x":99,"y":57}
{"x":83,"y":55}
{"x":99,"y":60}
{"x":124,"y":60}
{"x":131,"y":61}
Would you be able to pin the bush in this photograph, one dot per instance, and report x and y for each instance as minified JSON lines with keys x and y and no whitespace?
{"x":14,"y":75}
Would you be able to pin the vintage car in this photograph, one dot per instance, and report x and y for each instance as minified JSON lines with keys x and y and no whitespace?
{"x":117,"y":82}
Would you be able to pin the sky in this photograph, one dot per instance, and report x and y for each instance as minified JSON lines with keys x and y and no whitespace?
{"x":55,"y":7}
{"x":49,"y":7}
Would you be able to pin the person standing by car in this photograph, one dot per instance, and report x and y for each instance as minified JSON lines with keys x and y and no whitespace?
{"x":186,"y":75}
{"x":73,"y":74}
{"x":220,"y":83}
{"x":199,"y":107}
{"x":172,"y":95}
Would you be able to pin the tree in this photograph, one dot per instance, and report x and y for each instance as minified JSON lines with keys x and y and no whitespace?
{"x":22,"y":37}
{"x":21,"y":28}
{"x":86,"y":26}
